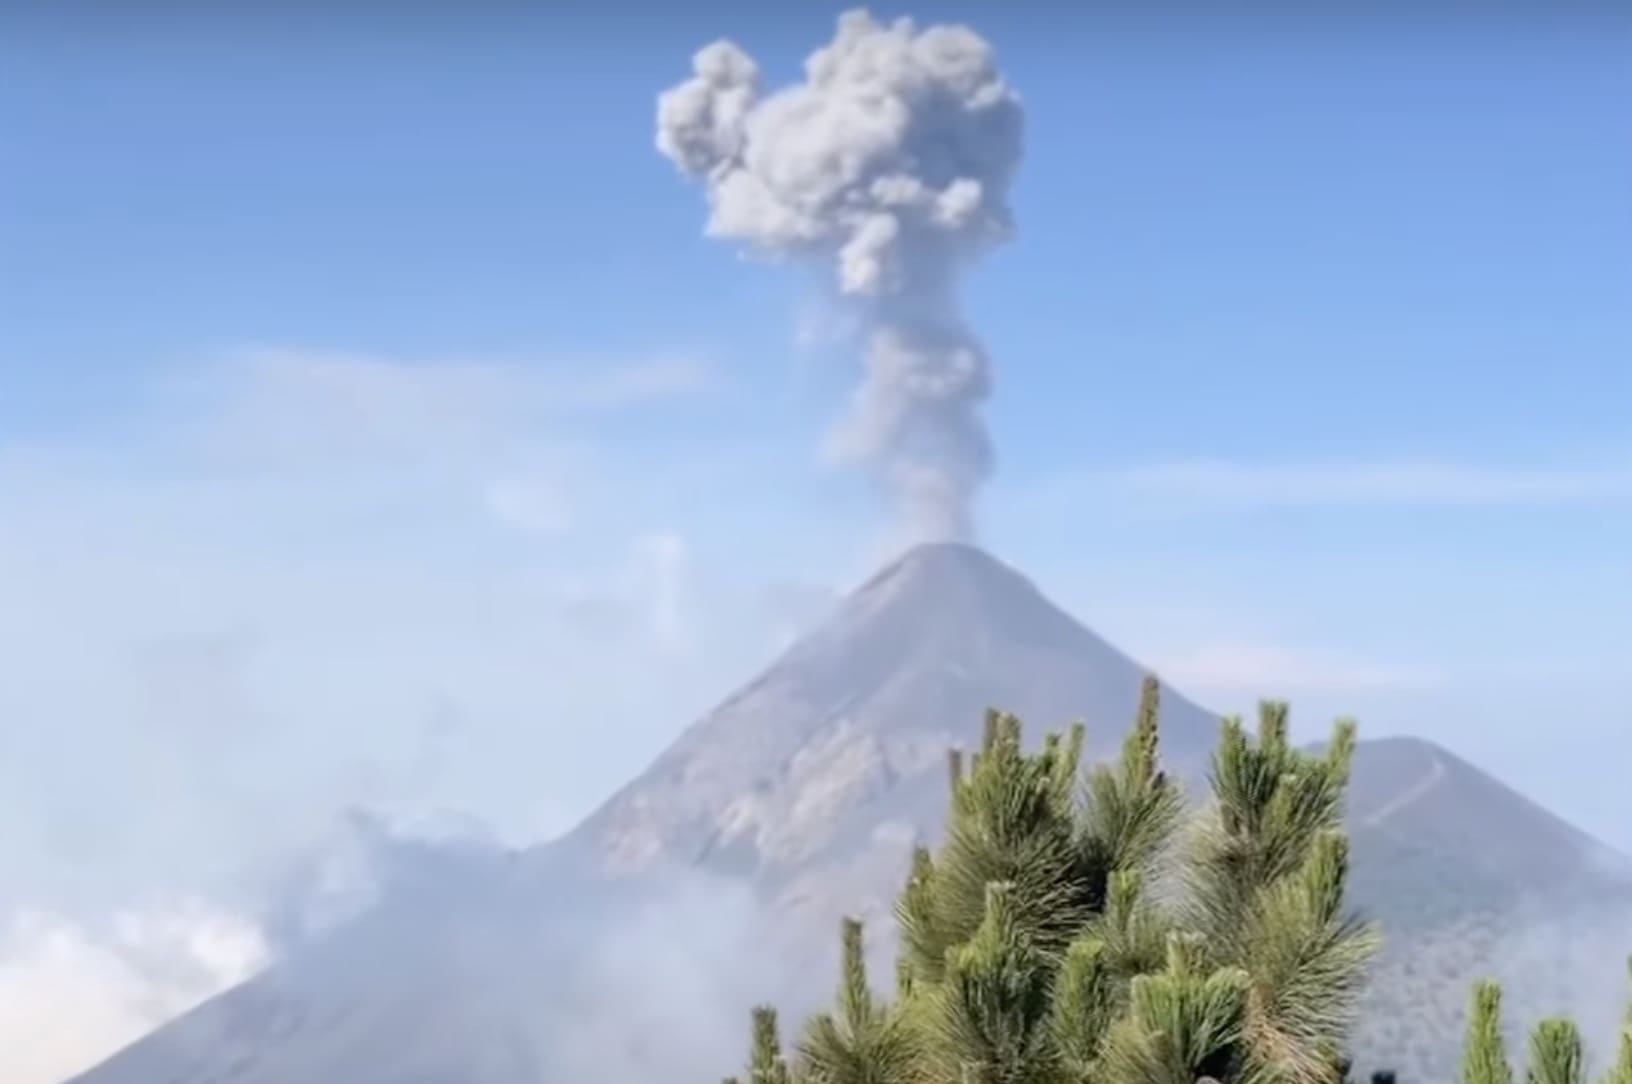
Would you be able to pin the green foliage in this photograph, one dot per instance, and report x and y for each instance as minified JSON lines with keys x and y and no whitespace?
{"x":1084,"y":1006}
{"x":1183,"y":1023}
{"x":1484,"y":1058}
{"x":865,"y":1042}
{"x":1557,"y":1054}
{"x":1073,"y":928}
{"x":986,"y":1021}
{"x":766,"y":1064}
{"x":1620,"y":1071}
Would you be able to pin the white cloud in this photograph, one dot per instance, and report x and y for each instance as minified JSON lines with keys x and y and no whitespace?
{"x":71,"y":994}
{"x":1207,"y":482}
{"x":1258,"y":669}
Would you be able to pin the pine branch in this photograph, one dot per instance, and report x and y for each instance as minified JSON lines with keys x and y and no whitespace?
{"x":1484,"y":1058}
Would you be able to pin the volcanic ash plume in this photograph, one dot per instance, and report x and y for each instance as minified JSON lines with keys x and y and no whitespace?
{"x":891,"y":163}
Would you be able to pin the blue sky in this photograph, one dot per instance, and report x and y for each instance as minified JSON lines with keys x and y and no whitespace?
{"x":378,"y":426}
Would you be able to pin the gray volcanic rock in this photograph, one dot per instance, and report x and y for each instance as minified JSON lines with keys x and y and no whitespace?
{"x":861,"y":713}
{"x":635,"y":946}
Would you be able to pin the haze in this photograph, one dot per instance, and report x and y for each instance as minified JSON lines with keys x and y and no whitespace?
{"x":380,"y":431}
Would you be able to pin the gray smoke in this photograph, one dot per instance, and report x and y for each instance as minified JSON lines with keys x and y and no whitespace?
{"x":891,"y":163}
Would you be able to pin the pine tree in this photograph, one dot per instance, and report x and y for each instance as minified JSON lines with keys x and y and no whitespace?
{"x":1184,"y":1023}
{"x":1620,"y":1071}
{"x":865,"y":1042}
{"x":1484,"y":1057}
{"x":1268,"y":877}
{"x":1068,"y":931}
{"x":1556,"y":1056}
{"x":766,"y":1064}
{"x":1557,"y":1053}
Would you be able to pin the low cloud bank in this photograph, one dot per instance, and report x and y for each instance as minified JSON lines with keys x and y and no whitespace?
{"x":74,"y":992}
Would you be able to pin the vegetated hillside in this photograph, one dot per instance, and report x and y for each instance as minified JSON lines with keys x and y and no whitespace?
{"x":717,"y":877}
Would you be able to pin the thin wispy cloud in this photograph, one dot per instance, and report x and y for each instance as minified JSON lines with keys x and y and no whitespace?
{"x":473,"y":385}
{"x":327,"y":408}
{"x":1381,"y":483}
{"x":369,"y":437}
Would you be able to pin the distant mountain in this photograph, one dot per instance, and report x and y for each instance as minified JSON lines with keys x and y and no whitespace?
{"x":717,"y":877}
{"x":1470,"y":879}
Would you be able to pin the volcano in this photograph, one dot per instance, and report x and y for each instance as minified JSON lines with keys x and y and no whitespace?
{"x":848,"y":731}
{"x":635,"y":945}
